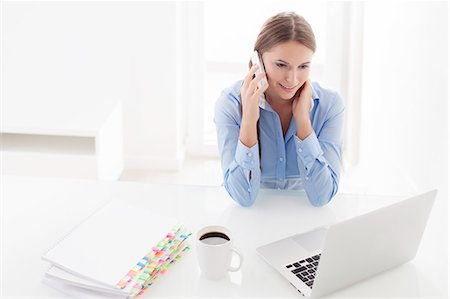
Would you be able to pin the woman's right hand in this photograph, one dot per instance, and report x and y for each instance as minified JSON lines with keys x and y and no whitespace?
{"x":250,"y":93}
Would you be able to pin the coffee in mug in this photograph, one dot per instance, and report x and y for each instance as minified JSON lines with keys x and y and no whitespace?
{"x":214,"y":251}
{"x":214,"y":238}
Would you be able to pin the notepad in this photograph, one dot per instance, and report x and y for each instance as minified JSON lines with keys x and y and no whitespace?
{"x":110,"y":250}
{"x":78,"y":292}
{"x":56,"y":274}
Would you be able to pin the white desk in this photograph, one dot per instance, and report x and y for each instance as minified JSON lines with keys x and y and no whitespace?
{"x":36,"y":212}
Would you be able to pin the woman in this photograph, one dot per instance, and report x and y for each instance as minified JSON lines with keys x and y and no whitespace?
{"x":294,"y":140}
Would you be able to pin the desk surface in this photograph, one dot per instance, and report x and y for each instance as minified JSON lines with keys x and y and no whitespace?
{"x":37,"y":212}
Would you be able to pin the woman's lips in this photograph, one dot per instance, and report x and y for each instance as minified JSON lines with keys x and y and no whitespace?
{"x":288,"y":89}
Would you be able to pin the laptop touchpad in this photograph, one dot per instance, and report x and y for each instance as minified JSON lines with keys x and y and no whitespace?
{"x":311,"y":241}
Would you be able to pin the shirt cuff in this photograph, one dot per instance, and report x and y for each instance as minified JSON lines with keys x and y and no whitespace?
{"x":308,"y":150}
{"x":247,"y":158}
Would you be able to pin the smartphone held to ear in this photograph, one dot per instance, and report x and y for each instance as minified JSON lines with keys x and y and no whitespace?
{"x":256,"y":59}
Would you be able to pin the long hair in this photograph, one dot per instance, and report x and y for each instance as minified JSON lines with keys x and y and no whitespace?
{"x":281,"y":28}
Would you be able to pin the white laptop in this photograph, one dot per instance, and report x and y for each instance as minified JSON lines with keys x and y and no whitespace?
{"x":324,"y":260}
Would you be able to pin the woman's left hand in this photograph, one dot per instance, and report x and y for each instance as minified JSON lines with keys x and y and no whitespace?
{"x":301,"y":105}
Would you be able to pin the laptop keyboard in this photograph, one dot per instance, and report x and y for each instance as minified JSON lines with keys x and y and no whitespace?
{"x":305,"y":269}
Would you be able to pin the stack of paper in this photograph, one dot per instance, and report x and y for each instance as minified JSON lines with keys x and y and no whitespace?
{"x":118,"y":251}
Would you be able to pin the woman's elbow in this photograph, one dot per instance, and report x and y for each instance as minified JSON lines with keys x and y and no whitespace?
{"x":319,"y":202}
{"x":246,"y":199}
{"x":323,"y":189}
{"x":322,"y":198}
{"x":245,"y":203}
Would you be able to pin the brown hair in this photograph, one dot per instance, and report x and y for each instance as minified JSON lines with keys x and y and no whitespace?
{"x":284,"y":27}
{"x":280,"y":28}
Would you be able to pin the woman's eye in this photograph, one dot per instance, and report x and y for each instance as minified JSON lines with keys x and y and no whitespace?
{"x":280,"y":65}
{"x":304,"y":66}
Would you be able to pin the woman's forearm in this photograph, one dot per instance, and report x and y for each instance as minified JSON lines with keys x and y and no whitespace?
{"x":304,"y":127}
{"x":248,"y":133}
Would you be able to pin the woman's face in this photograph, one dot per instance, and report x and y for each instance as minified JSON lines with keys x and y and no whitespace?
{"x":287,"y":67}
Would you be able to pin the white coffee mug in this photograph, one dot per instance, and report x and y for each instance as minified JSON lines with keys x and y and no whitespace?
{"x":214,"y":250}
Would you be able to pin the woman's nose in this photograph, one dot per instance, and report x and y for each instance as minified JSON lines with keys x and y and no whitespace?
{"x":290,"y":77}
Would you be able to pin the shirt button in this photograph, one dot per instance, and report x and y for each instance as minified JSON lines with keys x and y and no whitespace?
{"x":281,"y":159}
{"x":306,"y":178}
{"x":250,"y":154}
{"x":300,"y":150}
{"x":279,"y":188}
{"x":280,"y":179}
{"x":248,"y":189}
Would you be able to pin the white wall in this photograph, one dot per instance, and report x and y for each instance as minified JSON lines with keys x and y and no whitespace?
{"x":101,"y":51}
{"x":404,"y":129}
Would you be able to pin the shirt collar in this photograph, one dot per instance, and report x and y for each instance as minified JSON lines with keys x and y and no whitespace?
{"x":315,"y":96}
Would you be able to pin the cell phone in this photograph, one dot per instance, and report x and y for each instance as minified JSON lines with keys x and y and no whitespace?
{"x":256,"y":59}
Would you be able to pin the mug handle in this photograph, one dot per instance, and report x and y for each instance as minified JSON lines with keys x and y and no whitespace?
{"x":241,"y":258}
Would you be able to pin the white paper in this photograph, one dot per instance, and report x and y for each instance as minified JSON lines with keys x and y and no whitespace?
{"x":62,"y":276}
{"x":110,"y":243}
{"x":77,"y":292}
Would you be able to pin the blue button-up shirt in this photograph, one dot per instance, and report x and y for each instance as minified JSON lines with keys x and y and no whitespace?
{"x":286,"y":162}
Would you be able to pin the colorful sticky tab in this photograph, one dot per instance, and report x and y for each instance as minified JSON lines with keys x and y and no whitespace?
{"x":155,"y":262}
